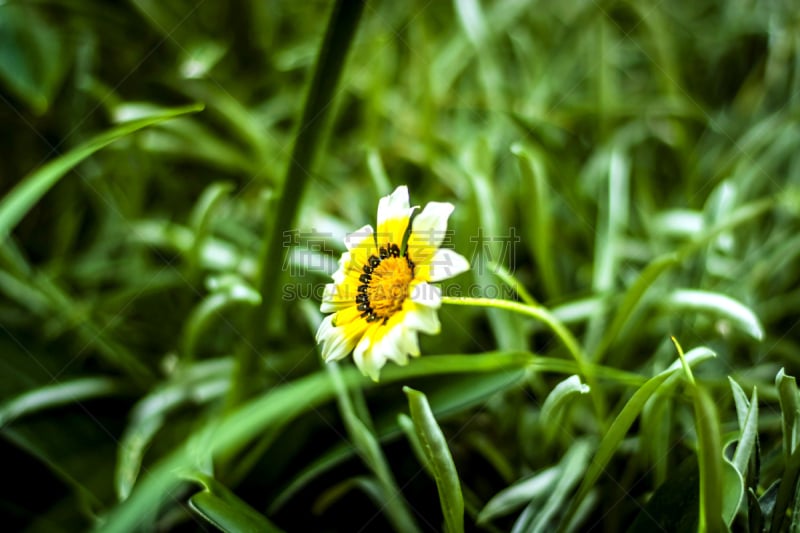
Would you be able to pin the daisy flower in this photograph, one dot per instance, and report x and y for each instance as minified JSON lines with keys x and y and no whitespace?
{"x":382,"y":293}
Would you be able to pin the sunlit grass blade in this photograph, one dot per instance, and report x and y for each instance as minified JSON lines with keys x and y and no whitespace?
{"x":439,"y":460}
{"x":718,"y":304}
{"x":58,"y":394}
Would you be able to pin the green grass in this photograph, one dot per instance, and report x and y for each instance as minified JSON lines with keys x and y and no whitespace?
{"x":176,"y":180}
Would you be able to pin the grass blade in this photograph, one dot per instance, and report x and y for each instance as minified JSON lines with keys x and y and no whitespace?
{"x":747,"y":436}
{"x":439,"y":460}
{"x":370,"y":451}
{"x":16,"y":204}
{"x":520,"y":493}
{"x":717,"y":304}
{"x":330,"y":64}
{"x":222,"y":508}
{"x":790,"y":411}
{"x":59,"y":394}
{"x":622,"y":423}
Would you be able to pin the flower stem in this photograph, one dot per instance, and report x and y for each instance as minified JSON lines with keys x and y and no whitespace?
{"x":542,"y":314}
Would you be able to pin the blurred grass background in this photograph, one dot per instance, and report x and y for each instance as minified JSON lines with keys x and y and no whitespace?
{"x":633,"y":166}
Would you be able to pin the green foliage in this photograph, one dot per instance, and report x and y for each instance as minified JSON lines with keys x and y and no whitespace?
{"x":176,"y":179}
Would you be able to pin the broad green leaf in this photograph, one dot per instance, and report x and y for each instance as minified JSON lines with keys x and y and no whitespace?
{"x":624,"y":420}
{"x":16,"y":204}
{"x":614,"y":211}
{"x":439,"y":460}
{"x":767,"y":501}
{"x":222,"y":508}
{"x":717,"y":304}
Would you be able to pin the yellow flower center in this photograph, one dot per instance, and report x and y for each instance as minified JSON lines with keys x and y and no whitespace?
{"x":385,"y":283}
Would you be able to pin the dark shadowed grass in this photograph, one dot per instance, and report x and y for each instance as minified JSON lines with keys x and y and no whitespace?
{"x":624,"y":175}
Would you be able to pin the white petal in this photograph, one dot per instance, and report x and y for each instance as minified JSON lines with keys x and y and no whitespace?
{"x":426,"y":294}
{"x":424,"y":319}
{"x":391,"y":346}
{"x":446,"y":263}
{"x":394,"y":206}
{"x":360,"y":238}
{"x":410,"y":343}
{"x":344,"y":262}
{"x":430,"y":226}
{"x":336,"y":345}
{"x":324,"y":329}
{"x":369,"y":362}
